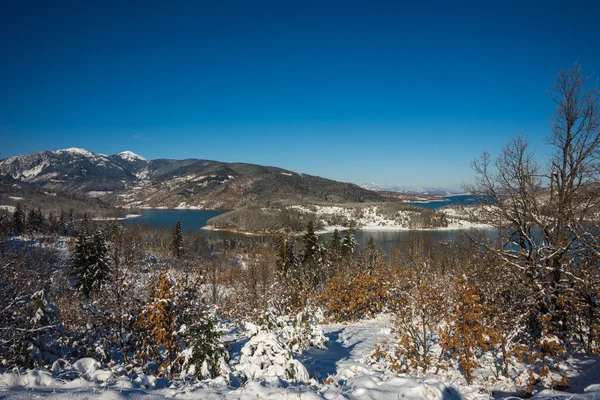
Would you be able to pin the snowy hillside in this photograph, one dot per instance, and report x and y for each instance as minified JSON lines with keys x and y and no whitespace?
{"x":425,"y":190}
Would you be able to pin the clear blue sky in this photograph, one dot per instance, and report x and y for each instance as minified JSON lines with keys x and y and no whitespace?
{"x":391,"y":92}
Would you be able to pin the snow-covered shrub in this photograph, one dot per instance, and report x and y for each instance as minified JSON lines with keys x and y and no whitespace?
{"x":419,"y":307}
{"x":266,"y":355}
{"x":298,"y":333}
{"x":304,"y":332}
{"x":32,"y":332}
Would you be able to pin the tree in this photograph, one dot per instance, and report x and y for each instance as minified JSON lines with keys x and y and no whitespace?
{"x":370,"y":255}
{"x":348,"y":245}
{"x":206,"y":350}
{"x":335,"y":250}
{"x":18,"y":220}
{"x":90,"y":266}
{"x":313,"y":259}
{"x":544,"y":212}
{"x":466,"y":334}
{"x":178,"y":248}
{"x":159,"y":325}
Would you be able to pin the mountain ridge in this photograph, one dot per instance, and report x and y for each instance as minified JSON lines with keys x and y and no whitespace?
{"x":129,"y":180}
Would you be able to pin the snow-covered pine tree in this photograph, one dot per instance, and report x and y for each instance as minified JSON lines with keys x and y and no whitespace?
{"x":207,"y":352}
{"x":348,"y":245}
{"x":313,"y":259}
{"x":90,"y":266}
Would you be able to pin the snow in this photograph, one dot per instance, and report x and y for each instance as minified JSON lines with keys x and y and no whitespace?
{"x":98,"y":193}
{"x":128,"y":216}
{"x":15,"y":198}
{"x":77,"y":151}
{"x":8,"y":208}
{"x":372,"y":220}
{"x":131,"y":156}
{"x":345,"y":365}
{"x":33,"y":172}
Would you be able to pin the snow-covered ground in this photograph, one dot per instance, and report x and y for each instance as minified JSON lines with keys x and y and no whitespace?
{"x":370,"y":218}
{"x":128,"y":216}
{"x":342,"y":371}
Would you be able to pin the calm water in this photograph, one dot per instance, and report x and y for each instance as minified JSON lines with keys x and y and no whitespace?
{"x":166,"y":219}
{"x":461,"y":199}
{"x":196,"y":219}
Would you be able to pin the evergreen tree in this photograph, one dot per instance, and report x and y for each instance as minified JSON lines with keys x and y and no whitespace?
{"x":335,"y":250}
{"x":84,"y":227}
{"x":281,"y":254}
{"x":335,"y":244}
{"x":70,"y":225}
{"x":371,"y":255}
{"x":348,"y":245}
{"x":178,"y":248}
{"x":18,"y":220}
{"x":52,"y":225}
{"x":36,"y":222}
{"x":90,"y":264}
{"x":206,"y":349}
{"x":314,"y":256}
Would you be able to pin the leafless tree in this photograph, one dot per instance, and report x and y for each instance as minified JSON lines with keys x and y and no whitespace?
{"x":545,"y":212}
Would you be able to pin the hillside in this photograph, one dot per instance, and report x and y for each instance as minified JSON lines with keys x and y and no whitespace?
{"x":129,"y":180}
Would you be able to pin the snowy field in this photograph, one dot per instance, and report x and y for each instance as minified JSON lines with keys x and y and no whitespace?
{"x":344,"y":370}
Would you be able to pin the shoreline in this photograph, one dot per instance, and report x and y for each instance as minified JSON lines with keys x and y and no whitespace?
{"x":330,"y":229}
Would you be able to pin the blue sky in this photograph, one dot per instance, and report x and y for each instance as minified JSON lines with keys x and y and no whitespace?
{"x":403,"y":93}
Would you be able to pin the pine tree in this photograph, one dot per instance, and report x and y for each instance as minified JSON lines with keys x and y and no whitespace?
{"x":70,"y":226}
{"x":348,"y":245}
{"x":313,"y":259}
{"x":178,"y":248}
{"x":90,"y":265}
{"x":206,"y":349}
{"x":335,"y":250}
{"x":18,"y":220}
{"x":281,"y":253}
{"x":371,"y":255}
{"x":52,"y":224}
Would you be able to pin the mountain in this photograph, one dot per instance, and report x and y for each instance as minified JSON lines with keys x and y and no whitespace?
{"x":425,"y":190}
{"x":128,"y":179}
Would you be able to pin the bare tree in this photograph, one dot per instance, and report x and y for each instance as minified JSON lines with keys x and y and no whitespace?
{"x":544,"y":212}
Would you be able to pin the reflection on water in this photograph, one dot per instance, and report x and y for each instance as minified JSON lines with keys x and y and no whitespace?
{"x":196,"y":219}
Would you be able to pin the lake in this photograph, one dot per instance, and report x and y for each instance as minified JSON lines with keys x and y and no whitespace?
{"x":196,"y":219}
{"x":460,"y":199}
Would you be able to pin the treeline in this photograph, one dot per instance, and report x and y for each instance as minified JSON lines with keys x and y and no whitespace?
{"x":34,"y":221}
{"x":264,"y":220}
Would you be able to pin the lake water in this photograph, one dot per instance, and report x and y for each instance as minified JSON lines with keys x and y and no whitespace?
{"x":460,"y":199}
{"x":196,"y":219}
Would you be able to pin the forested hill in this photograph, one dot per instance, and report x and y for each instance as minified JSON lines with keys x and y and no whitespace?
{"x":127,"y":179}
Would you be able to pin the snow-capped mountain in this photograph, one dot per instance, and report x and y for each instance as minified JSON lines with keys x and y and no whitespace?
{"x":433,"y":191}
{"x":67,"y":168}
{"x":130,"y":156}
{"x":128,"y":179}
